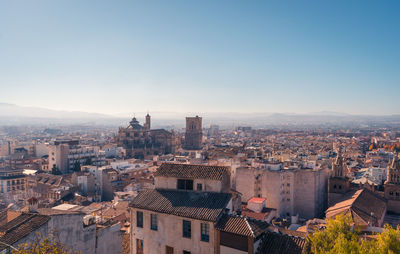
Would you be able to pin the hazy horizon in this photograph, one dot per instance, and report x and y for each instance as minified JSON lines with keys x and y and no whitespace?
{"x":118,"y":58}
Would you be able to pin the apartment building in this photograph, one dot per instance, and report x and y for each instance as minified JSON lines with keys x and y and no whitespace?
{"x":69,"y":155}
{"x":180,"y":214}
{"x":12,"y":180}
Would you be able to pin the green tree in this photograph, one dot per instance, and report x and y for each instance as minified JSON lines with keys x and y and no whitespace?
{"x":341,"y":237}
{"x":338,"y":237}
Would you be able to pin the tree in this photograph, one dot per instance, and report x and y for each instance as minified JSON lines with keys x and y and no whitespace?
{"x":338,"y":237}
{"x":43,"y":245}
{"x":341,"y":237}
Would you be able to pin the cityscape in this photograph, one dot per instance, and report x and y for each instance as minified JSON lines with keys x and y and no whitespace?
{"x":199,"y":127}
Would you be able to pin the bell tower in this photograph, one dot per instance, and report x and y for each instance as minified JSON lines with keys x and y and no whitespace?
{"x":147,"y":124}
{"x":338,"y":183}
{"x":392,"y":185}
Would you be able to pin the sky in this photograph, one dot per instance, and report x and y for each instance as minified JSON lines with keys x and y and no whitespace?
{"x":120,"y":56}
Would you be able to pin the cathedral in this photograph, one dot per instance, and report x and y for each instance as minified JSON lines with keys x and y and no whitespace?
{"x":140,"y":140}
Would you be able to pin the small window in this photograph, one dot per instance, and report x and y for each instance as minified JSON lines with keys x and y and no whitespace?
{"x":391,"y":193}
{"x":288,"y":184}
{"x":199,"y":187}
{"x":186,"y":252}
{"x":397,"y":194}
{"x":139,"y":219}
{"x":187,"y":229}
{"x":340,"y":187}
{"x":153,"y":222}
{"x":184,"y":184}
{"x":205,"y":232}
{"x":334,"y":186}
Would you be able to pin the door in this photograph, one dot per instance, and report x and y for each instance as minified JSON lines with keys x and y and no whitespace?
{"x":169,"y":250}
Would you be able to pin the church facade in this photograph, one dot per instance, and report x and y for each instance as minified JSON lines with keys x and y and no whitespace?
{"x":140,"y":140}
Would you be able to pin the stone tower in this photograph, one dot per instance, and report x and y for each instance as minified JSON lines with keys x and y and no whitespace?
{"x":338,"y":183}
{"x":337,"y":166}
{"x":194,"y":133}
{"x":392,"y":185}
{"x":147,"y":124}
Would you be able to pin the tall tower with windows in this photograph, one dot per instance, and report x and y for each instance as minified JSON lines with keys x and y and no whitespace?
{"x":338,"y":183}
{"x":194,"y":133}
{"x":392,"y":185}
{"x":147,"y":124}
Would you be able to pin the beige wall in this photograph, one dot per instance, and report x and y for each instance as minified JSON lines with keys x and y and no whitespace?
{"x":245,"y":183}
{"x":169,"y":233}
{"x":227,"y":250}
{"x":292,"y":192}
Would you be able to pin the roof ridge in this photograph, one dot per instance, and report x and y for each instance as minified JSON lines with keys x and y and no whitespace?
{"x":248,"y":225}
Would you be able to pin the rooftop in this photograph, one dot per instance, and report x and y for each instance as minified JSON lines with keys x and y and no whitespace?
{"x":192,"y":171}
{"x":241,"y":225}
{"x":196,"y":205}
{"x":20,"y":227}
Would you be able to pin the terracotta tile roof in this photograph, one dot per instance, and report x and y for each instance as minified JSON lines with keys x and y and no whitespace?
{"x":192,"y":171}
{"x":275,"y":243}
{"x":241,"y":225}
{"x":364,"y":206}
{"x":196,"y":205}
{"x":258,"y":216}
{"x":20,"y":227}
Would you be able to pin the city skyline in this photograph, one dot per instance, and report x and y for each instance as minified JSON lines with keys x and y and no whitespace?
{"x":201,"y":57}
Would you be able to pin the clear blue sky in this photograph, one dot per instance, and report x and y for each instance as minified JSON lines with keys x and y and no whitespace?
{"x":201,"y":56}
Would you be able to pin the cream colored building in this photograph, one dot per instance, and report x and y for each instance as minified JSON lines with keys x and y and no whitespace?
{"x":179,"y":216}
{"x":290,"y":191}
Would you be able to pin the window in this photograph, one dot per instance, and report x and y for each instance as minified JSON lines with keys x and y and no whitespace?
{"x":334,"y":186}
{"x":139,"y":246}
{"x":199,"y":187}
{"x":187,"y":229}
{"x":186,"y":252}
{"x":205,"y":232}
{"x":153,"y":221}
{"x":139,"y":219}
{"x":184,"y":184}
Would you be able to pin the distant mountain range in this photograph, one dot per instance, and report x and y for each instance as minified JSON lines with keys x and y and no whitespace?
{"x":13,"y":114}
{"x":12,"y":110}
